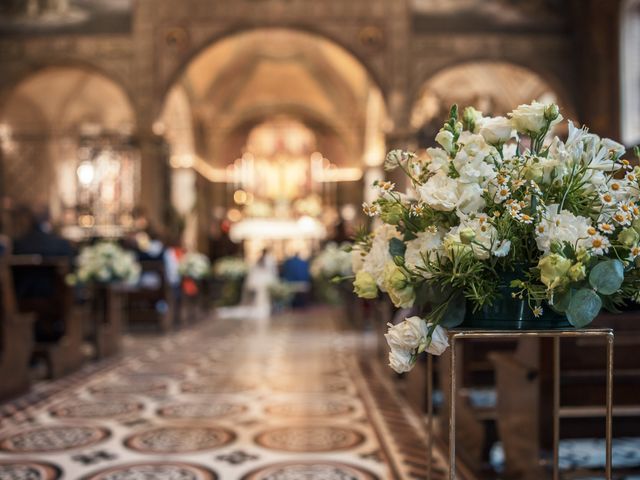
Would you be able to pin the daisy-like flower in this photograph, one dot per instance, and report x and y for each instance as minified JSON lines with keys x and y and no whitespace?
{"x":599,"y":244}
{"x":386,"y":186}
{"x":606,"y":228}
{"x":502,"y":194}
{"x":516,"y":184}
{"x":591,"y":231}
{"x":621,"y":218}
{"x":537,"y":311}
{"x":625,"y":164}
{"x":631,"y":177}
{"x":416,"y":209}
{"x":502,"y":179}
{"x":635,"y":251}
{"x":540,"y":229}
{"x":524,"y":218}
{"x":370,"y":210}
{"x":607,"y":198}
{"x":432,"y":229}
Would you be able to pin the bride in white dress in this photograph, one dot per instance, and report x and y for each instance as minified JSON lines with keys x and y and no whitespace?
{"x":256,"y":298}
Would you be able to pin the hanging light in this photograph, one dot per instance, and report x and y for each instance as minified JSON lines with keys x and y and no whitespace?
{"x":86,"y":173}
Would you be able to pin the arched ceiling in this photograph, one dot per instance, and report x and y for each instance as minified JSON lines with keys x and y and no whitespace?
{"x":495,"y":88}
{"x":260,"y":73}
{"x":67,"y":98}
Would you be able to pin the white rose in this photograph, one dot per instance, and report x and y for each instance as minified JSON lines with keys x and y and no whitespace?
{"x":375,"y":261}
{"x":438,"y":160}
{"x":496,"y":130}
{"x":530,"y":118}
{"x":427,"y":244}
{"x":400,"y":361}
{"x":407,"y":335}
{"x":439,"y":341}
{"x":439,"y":192}
{"x":470,"y":198}
{"x":445,"y":138}
{"x":357,"y":260}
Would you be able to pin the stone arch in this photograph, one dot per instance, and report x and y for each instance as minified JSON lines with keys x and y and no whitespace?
{"x":493,"y":86}
{"x":72,"y":102}
{"x":236,"y":30}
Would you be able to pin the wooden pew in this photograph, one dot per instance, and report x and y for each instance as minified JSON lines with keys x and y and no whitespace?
{"x":16,"y":340}
{"x":524,"y":391}
{"x":106,"y":309}
{"x":151,"y":306}
{"x":58,"y":324}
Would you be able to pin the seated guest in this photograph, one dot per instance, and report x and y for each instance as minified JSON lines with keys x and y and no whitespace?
{"x":35,"y":237}
{"x":295,"y":270}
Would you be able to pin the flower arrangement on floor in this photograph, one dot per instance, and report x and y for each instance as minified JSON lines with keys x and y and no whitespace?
{"x":230,"y":268}
{"x":502,"y":212}
{"x":105,"y":262}
{"x":194,"y":265}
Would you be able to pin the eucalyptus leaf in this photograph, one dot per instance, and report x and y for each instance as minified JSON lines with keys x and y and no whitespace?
{"x":561,"y":301}
{"x":607,"y":277}
{"x":455,"y":312}
{"x":397,"y":247}
{"x":584,"y":306}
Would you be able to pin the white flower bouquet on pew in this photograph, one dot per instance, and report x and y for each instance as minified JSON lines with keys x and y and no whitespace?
{"x":194,"y":265}
{"x":331,"y":262}
{"x":105,"y":262}
{"x":503,"y":222}
{"x":230,"y":268}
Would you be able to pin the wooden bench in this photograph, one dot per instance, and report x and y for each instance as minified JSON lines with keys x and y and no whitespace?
{"x":16,"y":340}
{"x":152,"y":305}
{"x":58,"y":324}
{"x":524,"y":391}
{"x":105,"y":308}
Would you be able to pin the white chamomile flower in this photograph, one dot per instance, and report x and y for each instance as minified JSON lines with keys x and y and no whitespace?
{"x":635,"y":251}
{"x":621,"y":218}
{"x":524,"y":218}
{"x":599,"y":244}
{"x":537,"y":311}
{"x":631,"y":177}
{"x":606,"y":228}
{"x":502,"y":194}
{"x":416,"y":209}
{"x":607,"y":199}
{"x":370,"y":210}
{"x":386,"y":186}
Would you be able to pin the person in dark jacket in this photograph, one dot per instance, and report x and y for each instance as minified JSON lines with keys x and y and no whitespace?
{"x":37,"y":285}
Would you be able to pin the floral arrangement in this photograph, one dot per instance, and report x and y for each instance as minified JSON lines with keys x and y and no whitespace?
{"x":194,"y":265}
{"x":230,"y":268}
{"x":502,"y":208}
{"x":332,"y":261}
{"x":105,"y":262}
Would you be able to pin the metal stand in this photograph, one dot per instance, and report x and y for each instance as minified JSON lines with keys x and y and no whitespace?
{"x":461,"y":334}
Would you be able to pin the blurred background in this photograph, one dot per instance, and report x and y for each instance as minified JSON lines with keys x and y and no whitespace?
{"x":217,"y":119}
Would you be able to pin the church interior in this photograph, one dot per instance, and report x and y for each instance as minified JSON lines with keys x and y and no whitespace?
{"x":181,"y":184}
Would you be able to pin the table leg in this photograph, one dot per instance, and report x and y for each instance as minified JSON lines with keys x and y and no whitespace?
{"x":556,"y":408}
{"x":452,"y":412}
{"x":609,"y":406}
{"x":430,"y":414}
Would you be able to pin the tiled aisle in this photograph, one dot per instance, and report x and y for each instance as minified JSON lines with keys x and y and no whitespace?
{"x":225,"y":400}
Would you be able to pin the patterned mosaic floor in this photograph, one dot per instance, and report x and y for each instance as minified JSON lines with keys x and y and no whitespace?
{"x":224,"y":400}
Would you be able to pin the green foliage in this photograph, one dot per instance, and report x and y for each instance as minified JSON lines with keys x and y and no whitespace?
{"x":584,"y":306}
{"x":607,"y":277}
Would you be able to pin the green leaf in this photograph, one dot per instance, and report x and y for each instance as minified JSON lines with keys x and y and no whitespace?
{"x":561,"y":301}
{"x":584,"y":306}
{"x":454,"y":314}
{"x":607,"y":277}
{"x":397,"y":247}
